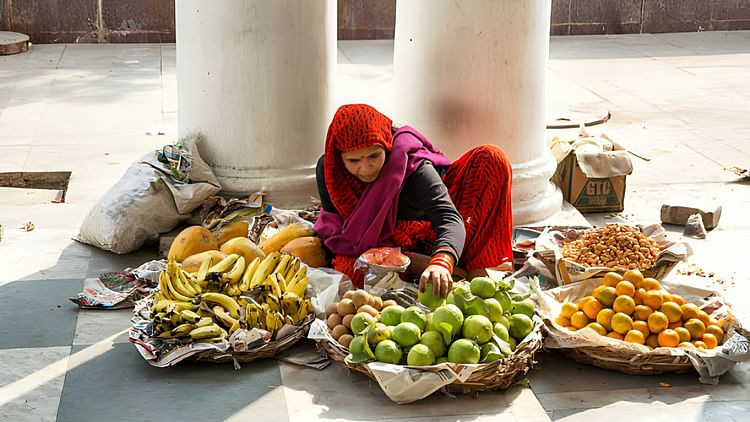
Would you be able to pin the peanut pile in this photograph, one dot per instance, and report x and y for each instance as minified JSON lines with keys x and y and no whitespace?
{"x":613,"y":246}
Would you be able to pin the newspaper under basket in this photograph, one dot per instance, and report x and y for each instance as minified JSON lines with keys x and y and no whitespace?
{"x":267,"y":350}
{"x":497,"y":375}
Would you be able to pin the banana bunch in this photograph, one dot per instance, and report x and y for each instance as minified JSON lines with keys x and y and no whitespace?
{"x":219,"y":299}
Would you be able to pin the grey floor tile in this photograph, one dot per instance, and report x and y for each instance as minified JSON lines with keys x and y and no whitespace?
{"x":103,"y":261}
{"x":557,"y":373}
{"x":119,"y":385}
{"x":37,"y":313}
{"x":31,"y":382}
{"x":336,"y":394}
{"x":96,"y":325}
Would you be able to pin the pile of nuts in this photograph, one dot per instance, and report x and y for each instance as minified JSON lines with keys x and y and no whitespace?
{"x":613,"y":246}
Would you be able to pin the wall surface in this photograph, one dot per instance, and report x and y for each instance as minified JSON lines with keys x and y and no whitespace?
{"x":69,"y":21}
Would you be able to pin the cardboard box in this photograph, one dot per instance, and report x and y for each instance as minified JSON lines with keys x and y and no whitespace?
{"x":592,"y":180}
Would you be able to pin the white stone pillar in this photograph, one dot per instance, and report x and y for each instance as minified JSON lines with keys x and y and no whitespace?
{"x":472,"y":72}
{"x":255,"y":76}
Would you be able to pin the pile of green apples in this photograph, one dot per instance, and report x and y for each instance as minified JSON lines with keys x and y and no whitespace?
{"x":478,"y":322}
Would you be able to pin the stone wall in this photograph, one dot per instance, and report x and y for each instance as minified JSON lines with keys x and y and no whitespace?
{"x":69,"y":21}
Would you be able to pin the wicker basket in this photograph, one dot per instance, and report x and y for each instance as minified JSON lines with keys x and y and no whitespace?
{"x":629,"y":362}
{"x":496,"y":375}
{"x":267,"y":350}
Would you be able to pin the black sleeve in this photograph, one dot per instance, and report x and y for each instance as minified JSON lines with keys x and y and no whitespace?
{"x":424,"y":190}
{"x":325,"y":198}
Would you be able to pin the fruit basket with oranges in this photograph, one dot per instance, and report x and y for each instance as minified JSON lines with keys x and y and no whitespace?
{"x":639,"y":325}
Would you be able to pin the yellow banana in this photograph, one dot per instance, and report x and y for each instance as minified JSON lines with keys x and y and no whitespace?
{"x":208,"y":331}
{"x":203,"y":322}
{"x":248,"y":275}
{"x":273,"y":303}
{"x":189,"y":316}
{"x":282,"y":264}
{"x":234,"y":327}
{"x":223,"y":317}
{"x":225,"y":264}
{"x":205,"y":265}
{"x":281,"y":282}
{"x":275,"y":288}
{"x":226,"y":302}
{"x":180,"y":281}
{"x":264,"y":269}
{"x":298,"y":276}
{"x":163,"y":288}
{"x":292,"y":269}
{"x":299,"y":288}
{"x":189,"y":281}
{"x":234,"y":275}
{"x":182,"y":330}
{"x":288,"y":319}
{"x":166,"y":280}
{"x":162,"y":305}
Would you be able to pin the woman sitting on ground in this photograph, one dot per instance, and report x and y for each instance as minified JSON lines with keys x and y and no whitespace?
{"x":386,"y":186}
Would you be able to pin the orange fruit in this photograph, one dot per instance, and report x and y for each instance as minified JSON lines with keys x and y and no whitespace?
{"x":621,"y":323}
{"x":710,"y":340}
{"x":615,"y":334}
{"x":641,"y":326}
{"x":695,"y":327}
{"x":612,"y":278}
{"x":582,"y":301}
{"x":562,"y":321}
{"x":722,"y":323}
{"x":598,"y":328}
{"x":700,"y":344}
{"x":657,"y":322}
{"x":653,"y":299}
{"x":649,"y":283}
{"x":624,"y":304}
{"x":605,"y":295}
{"x":568,"y":309}
{"x":672,"y":311}
{"x":684,"y":334}
{"x":625,"y":288}
{"x":716,"y":331}
{"x":686,"y":345}
{"x":652,"y":340}
{"x":642,"y":312}
{"x":579,"y":319}
{"x":604,"y":318}
{"x":638,"y":297}
{"x":677,"y":299}
{"x":669,"y":338}
{"x":633,"y":276}
{"x":591,"y":308}
{"x":689,"y":310}
{"x":703,"y":316}
{"x":635,"y":336}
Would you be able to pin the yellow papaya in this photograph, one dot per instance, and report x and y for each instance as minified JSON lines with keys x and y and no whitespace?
{"x":230,"y":231}
{"x":193,"y":263}
{"x":192,"y":240}
{"x":244,"y":247}
{"x":308,"y":249}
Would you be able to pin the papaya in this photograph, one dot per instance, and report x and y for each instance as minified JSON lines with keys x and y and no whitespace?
{"x":192,"y":240}
{"x":230,"y":231}
{"x":284,"y":236}
{"x":244,"y":247}
{"x":308,"y":249}
{"x":193,"y":263}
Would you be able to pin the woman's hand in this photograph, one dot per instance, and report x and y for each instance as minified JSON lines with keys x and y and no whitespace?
{"x":442,"y":281}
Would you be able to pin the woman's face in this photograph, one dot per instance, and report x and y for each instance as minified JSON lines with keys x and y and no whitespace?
{"x":365,"y":164}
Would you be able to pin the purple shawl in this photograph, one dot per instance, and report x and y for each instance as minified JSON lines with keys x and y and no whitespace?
{"x":373,"y":219}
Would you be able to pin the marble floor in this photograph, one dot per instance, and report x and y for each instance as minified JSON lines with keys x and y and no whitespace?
{"x":680,"y":100}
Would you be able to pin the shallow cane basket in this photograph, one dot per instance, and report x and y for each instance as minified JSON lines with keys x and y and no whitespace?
{"x":629,"y":362}
{"x":496,"y":375}
{"x":267,"y":350}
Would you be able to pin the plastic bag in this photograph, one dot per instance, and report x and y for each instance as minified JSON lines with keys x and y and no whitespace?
{"x":694,"y":227}
{"x":381,"y":267}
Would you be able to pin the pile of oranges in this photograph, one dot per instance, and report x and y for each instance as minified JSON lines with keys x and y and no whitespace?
{"x":632,"y":308}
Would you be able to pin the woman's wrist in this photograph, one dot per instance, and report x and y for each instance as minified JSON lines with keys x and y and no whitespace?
{"x":443,"y":259}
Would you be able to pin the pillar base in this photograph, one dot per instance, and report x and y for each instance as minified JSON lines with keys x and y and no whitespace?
{"x":534,"y":196}
{"x":285,"y":188}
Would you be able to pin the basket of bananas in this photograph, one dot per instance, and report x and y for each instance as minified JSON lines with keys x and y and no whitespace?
{"x":228,"y":311}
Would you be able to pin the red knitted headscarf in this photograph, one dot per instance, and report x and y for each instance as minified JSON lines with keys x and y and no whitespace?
{"x":354,"y":126}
